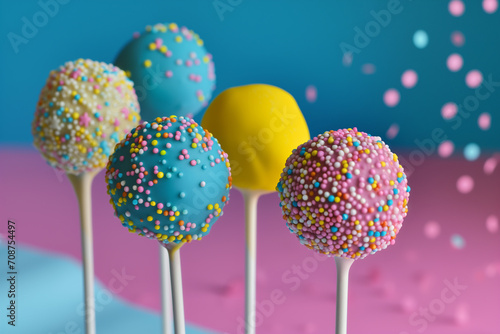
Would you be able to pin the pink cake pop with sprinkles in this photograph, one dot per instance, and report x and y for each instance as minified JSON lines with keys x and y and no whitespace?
{"x":344,"y":194}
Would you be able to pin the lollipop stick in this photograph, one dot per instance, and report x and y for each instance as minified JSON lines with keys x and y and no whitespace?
{"x":343,"y":266}
{"x":251,"y":198}
{"x":166,"y":293}
{"x":82,"y":184}
{"x":176,"y":282}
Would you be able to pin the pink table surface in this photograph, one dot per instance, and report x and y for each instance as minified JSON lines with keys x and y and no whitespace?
{"x":390,"y":292}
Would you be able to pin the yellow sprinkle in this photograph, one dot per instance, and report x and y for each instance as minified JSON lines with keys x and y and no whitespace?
{"x":152,"y":46}
{"x":210,"y":207}
{"x":154,"y":142}
{"x":160,"y":175}
{"x":150,"y":218}
{"x":147,"y":63}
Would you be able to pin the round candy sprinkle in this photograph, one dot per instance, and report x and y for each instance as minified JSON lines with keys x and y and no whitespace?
{"x":84,"y":109}
{"x":344,"y":193}
{"x":169,"y":180}
{"x":172,"y":70}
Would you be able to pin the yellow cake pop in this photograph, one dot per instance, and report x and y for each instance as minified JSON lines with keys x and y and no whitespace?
{"x":258,"y":126}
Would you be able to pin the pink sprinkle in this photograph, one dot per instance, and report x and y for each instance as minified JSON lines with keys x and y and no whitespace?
{"x":192,"y":76}
{"x":158,"y":42}
{"x":181,"y":157}
{"x":456,"y":8}
{"x":465,"y":184}
{"x":432,"y":229}
{"x":409,"y":78}
{"x":155,"y":150}
{"x":473,"y":79}
{"x":492,"y":223}
{"x":490,"y":165}
{"x":490,"y":6}
{"x":445,"y":149}
{"x":168,"y":53}
{"x":159,"y":206}
{"x":454,"y":62}
{"x":140,"y":189}
{"x":136,"y":34}
{"x":457,"y":38}
{"x":169,"y":74}
{"x":484,"y":121}
{"x":449,"y":110}
{"x":150,"y":183}
{"x":189,"y":63}
{"x":368,"y":69}
{"x":193,"y":162}
{"x":391,"y":97}
{"x":311,"y":93}
{"x":392,"y":132}
{"x":462,"y":314}
{"x":197,"y":62}
{"x":184,"y":151}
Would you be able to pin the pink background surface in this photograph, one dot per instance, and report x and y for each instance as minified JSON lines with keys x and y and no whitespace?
{"x":385,"y":289}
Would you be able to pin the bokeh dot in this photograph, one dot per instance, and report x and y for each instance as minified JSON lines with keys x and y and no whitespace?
{"x":457,"y":241}
{"x":484,"y":121}
{"x":393,"y":131}
{"x":457,"y":38}
{"x":474,"y":78}
{"x":391,"y":97}
{"x":490,"y":165}
{"x":472,"y":151}
{"x":432,"y":229}
{"x":456,"y":7}
{"x":465,"y":184}
{"x":490,"y":6}
{"x":449,"y":110}
{"x":368,"y":69}
{"x":445,"y":149}
{"x":454,"y":62}
{"x":311,"y":93}
{"x":409,"y":78}
{"x":420,"y":39}
{"x":492,"y":223}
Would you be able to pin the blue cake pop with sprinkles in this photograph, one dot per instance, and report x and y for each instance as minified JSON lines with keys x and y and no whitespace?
{"x":169,"y":180}
{"x":172,"y":71}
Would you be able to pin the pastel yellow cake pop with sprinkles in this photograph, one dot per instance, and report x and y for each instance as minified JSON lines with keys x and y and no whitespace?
{"x":85,"y":108}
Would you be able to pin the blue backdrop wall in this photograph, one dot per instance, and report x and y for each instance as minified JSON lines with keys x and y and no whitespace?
{"x":291,"y":44}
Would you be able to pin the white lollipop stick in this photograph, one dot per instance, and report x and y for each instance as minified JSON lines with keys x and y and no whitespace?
{"x":251,"y":197}
{"x":166,"y":292}
{"x":82,"y":184}
{"x":176,"y":283}
{"x":343,"y":265}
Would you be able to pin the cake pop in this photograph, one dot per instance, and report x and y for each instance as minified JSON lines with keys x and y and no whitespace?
{"x":84,"y":109}
{"x":344,"y":194}
{"x":258,"y":125}
{"x":169,"y":181}
{"x":172,"y":70}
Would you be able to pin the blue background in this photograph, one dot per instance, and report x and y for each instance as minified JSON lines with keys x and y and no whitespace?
{"x":290,"y":44}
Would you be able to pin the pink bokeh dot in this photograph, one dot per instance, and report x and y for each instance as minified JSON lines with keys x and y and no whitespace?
{"x":432,"y":229}
{"x":391,"y":97}
{"x":490,"y":6}
{"x":457,"y":38}
{"x":462,"y":314}
{"x":454,"y":62}
{"x":473,"y":79}
{"x":465,"y":184}
{"x":490,"y":165}
{"x":368,"y":69}
{"x":347,"y":59}
{"x":409,"y":78}
{"x":446,"y":148}
{"x":311,"y":93}
{"x":456,"y":8}
{"x":449,"y":110}
{"x":492,"y":223}
{"x":393,"y":131}
{"x":484,"y":121}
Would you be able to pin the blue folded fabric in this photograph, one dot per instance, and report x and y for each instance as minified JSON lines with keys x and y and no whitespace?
{"x":49,"y":299}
